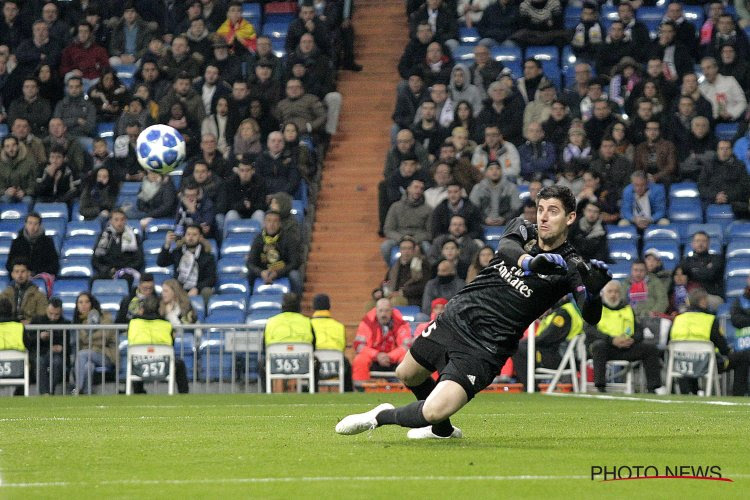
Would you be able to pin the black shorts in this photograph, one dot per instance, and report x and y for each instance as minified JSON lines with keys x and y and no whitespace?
{"x":454,"y":361}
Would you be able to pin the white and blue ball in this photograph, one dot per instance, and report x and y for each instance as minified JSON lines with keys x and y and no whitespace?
{"x":160,"y":148}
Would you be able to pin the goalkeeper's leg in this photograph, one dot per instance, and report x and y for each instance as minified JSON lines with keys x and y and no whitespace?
{"x":446,"y":399}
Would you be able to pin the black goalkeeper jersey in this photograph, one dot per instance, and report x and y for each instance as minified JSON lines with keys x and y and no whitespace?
{"x":491,"y":313}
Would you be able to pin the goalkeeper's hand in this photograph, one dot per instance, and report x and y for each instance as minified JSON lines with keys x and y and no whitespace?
{"x":545,"y":263}
{"x":594,"y":274}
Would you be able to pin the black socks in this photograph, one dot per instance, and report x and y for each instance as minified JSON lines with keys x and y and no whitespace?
{"x":405,"y":416}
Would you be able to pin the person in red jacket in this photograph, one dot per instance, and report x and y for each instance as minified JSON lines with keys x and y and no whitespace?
{"x":83,"y":57}
{"x":383,"y":337}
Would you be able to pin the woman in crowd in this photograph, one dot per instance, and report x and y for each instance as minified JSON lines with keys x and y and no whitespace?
{"x":218,"y":124}
{"x":299,"y":152}
{"x":96,"y":348}
{"x":99,"y":195}
{"x":480,"y":261}
{"x":156,"y":198}
{"x":247,"y":139}
{"x":109,"y":96}
{"x":175,"y":305}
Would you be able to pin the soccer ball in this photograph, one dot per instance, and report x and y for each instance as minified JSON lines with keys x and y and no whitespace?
{"x":160,"y":148}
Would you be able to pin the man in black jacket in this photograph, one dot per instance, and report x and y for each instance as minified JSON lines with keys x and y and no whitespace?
{"x":245,"y":193}
{"x":416,"y":50}
{"x":705,"y":269}
{"x":456,"y":204}
{"x":35,"y":246}
{"x":307,"y":22}
{"x":49,"y":357}
{"x":194,"y":265}
{"x":445,"y":23}
{"x":118,"y":248}
{"x":499,"y":21}
{"x":588,"y":234}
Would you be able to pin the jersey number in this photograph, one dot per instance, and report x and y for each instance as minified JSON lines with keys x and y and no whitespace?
{"x":430,"y":328}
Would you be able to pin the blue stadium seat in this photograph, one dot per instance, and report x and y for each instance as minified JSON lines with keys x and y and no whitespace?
{"x":79,"y":246}
{"x":647,"y":13}
{"x":278,"y":47}
{"x":411,"y":313}
{"x":623,"y":250}
{"x":250,"y":227}
{"x":125,"y":200}
{"x":543,"y":53}
{"x":69,"y":288}
{"x":199,"y":306}
{"x":159,"y":280}
{"x":150,"y":266}
{"x":157,"y":228}
{"x":152,"y":246}
{"x":298,"y":210}
{"x":280,"y":18}
{"x":738,"y":230}
{"x":275,"y":29}
{"x":5,"y":244}
{"x":280,"y":285}
{"x":225,"y":316}
{"x":40,"y":284}
{"x":51,"y":211}
{"x":714,"y":231}
{"x":105,"y":129}
{"x":468,"y":36}
{"x":9,"y":228}
{"x":684,"y":190}
{"x":125,"y":70}
{"x":110,"y":302}
{"x":493,"y":233}
{"x":506,"y":55}
{"x":464,"y":54}
{"x":615,"y":232}
{"x":609,"y":12}
{"x":4,"y":280}
{"x":260,"y":317}
{"x":726,"y":131}
{"x":395,"y":254}
{"x":109,"y":287}
{"x":694,"y":14}
{"x":685,"y":211}
{"x":265,"y":301}
{"x":3,"y":130}
{"x":656,"y":232}
{"x":83,"y":228}
{"x":76,"y":267}
{"x":719,"y":214}
{"x":131,"y":187}
{"x":13,"y":211}
{"x":523,"y":192}
{"x":572,"y":16}
{"x":233,"y":285}
{"x":232,"y":266}
{"x":233,"y":301}
{"x":738,"y":266}
{"x":236,"y":245}
{"x":184,"y":348}
{"x":667,"y":248}
{"x":620,"y":269}
{"x":252,"y":13}
{"x":738,"y":248}
{"x":55,"y":227}
{"x":735,"y":286}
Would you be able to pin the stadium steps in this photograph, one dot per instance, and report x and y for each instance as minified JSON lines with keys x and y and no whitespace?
{"x":344,"y":259}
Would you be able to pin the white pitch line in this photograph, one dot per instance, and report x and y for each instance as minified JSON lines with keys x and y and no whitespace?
{"x":144,"y":417}
{"x":249,"y":405}
{"x":650,"y":400}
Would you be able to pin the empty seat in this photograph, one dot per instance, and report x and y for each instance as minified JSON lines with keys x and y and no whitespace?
{"x":83,"y":228}
{"x":157,"y":228}
{"x":233,"y":301}
{"x":694,"y":14}
{"x":738,"y":230}
{"x":225,"y":316}
{"x":13,"y":210}
{"x":615,"y":232}
{"x":463,"y":53}
{"x":684,"y":190}
{"x":130,"y":187}
{"x":239,"y":245}
{"x":249,"y":227}
{"x":105,"y":129}
{"x":620,"y":269}
{"x":76,"y":267}
{"x":737,"y":248}
{"x":199,"y":306}
{"x":69,"y":288}
{"x":506,"y":54}
{"x":54,"y":227}
{"x":685,"y":211}
{"x":735,"y":286}
{"x":623,"y":250}
{"x":52,"y":210}
{"x":233,"y":265}
{"x":719,"y":214}
{"x":275,"y":29}
{"x":110,"y":302}
{"x":656,"y":232}
{"x":727,"y":131}
{"x":5,"y":244}
{"x":153,"y":246}
{"x":233,"y":285}
{"x":109,"y":287}
{"x":468,"y":36}
{"x":280,"y":285}
{"x":572,"y":16}
{"x":738,"y":266}
{"x":259,"y":318}
{"x":150,"y":266}
{"x":265,"y":301}
{"x":79,"y":246}
{"x":9,"y":228}
{"x":252,"y":13}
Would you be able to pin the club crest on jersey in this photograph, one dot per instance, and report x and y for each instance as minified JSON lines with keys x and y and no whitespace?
{"x":514,"y":277}
{"x":524,"y":233}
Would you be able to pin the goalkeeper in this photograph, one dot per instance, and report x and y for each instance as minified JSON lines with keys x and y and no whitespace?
{"x":533,"y":268}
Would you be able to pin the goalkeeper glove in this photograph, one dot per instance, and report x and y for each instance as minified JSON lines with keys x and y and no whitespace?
{"x":545,"y":263}
{"x":594,"y":274}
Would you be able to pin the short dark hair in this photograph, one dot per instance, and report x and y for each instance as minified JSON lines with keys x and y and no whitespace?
{"x":290,"y":303}
{"x":638,"y":262}
{"x":562,"y":193}
{"x":150,"y":305}
{"x":20,"y":261}
{"x":55,"y":302}
{"x":33,"y":214}
{"x":194,"y":226}
{"x":147,"y":277}
{"x":701,"y":232}
{"x":529,"y":203}
{"x":535,"y":61}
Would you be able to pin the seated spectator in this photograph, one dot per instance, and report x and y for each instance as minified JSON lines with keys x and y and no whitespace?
{"x":463,"y":146}
{"x":182,"y":123}
{"x":626,"y":75}
{"x":577,"y":151}
{"x":175,"y":305}
{"x":705,"y":269}
{"x":301,"y":153}
{"x":588,"y":35}
{"x":34,"y":247}
{"x":496,"y":197}
{"x":84,"y":58}
{"x":136,"y":111}
{"x":698,"y":324}
{"x":726,"y":181}
{"x":57,"y":182}
{"x":656,"y":157}
{"x":127,"y":167}
{"x":713,"y":13}
{"x":496,"y":149}
{"x":652,"y":92}
{"x":685,"y":31}
{"x":441,"y":176}
{"x":594,"y":93}
{"x":274,"y":254}
{"x":130,"y":305}
{"x":538,"y":157}
{"x":246,"y":193}
{"x":678,"y":124}
{"x":465,"y":246}
{"x":194,"y":265}
{"x":152,"y":80}
{"x":614,"y":169}
{"x":727,"y":34}
{"x":442,"y":22}
{"x":503,"y":110}
{"x":282,"y":203}
{"x":593,"y":192}
{"x":195,"y":208}
{"x":556,"y":127}
{"x":616,"y":50}
{"x":209,"y":154}
{"x":731,"y":65}
{"x":95,"y":348}
{"x":99,"y":195}
{"x":445,"y":285}
{"x":405,"y":146}
{"x":644,"y":112}
{"x":199,"y":41}
{"x":588,"y":235}
{"x":17,"y":172}
{"x":677,"y":292}
{"x":496,"y":24}
{"x":157,"y":198}
{"x":75,"y":156}
{"x":415,"y":51}
{"x":279,"y":172}
{"x":463,"y":118}
{"x":623,"y":147}
{"x":541,"y":23}
{"x":619,"y":336}
{"x":51,"y":347}
{"x":462,"y":90}
{"x":409,"y":100}
{"x":727,"y":99}
{"x":644,"y":202}
{"x":26,"y":299}
{"x":456,"y":203}
{"x":307,"y":22}
{"x":183,"y":92}
{"x":539,"y":109}
{"x":436,"y":67}
{"x":21,"y":130}
{"x":405,"y":280}
{"x":178,"y":59}
{"x":408,"y":216}
{"x":532,"y":81}
{"x":50,"y":85}
{"x":118,"y":248}
{"x":644,"y":292}
{"x":675,"y":55}
{"x":31,"y":106}
{"x":38,"y":49}
{"x":690,"y":88}
{"x":427,"y":131}
{"x":130,"y":37}
{"x":59,"y":29}
{"x":381,"y":342}
{"x":217,"y":125}
{"x":571,"y":176}
{"x":600,"y":120}
{"x":528,"y":210}
{"x":655,"y":267}
{"x":480,"y":261}
{"x":578,"y":89}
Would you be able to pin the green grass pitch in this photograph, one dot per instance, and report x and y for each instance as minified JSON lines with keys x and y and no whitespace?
{"x":284,"y":446}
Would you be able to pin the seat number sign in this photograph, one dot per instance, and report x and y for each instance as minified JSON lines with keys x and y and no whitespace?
{"x":11,"y":368}
{"x":151,"y":368}
{"x":290,"y":364}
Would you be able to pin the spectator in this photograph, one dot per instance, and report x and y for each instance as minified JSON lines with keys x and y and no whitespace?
{"x":195,"y":208}
{"x":532,"y":81}
{"x":282,"y":203}
{"x":731,"y":65}
{"x":118,"y":248}
{"x":727,"y":99}
{"x":656,"y":157}
{"x":151,"y":77}
{"x":644,"y":112}
{"x":496,"y":197}
{"x":130,"y":37}
{"x":415,"y":51}
{"x":307,"y":22}
{"x":99,"y":195}
{"x":626,"y":76}
{"x":279,"y":172}
{"x":645,"y":292}
{"x":496,"y":149}
{"x":727,"y":34}
{"x":601,"y":119}
{"x":577,"y":152}
{"x":445,"y":285}
{"x":217,"y":125}
{"x":21,"y":130}
{"x":456,"y":203}
{"x":462,"y":90}
{"x":131,"y":305}
{"x":578,"y":89}
{"x":274,"y":254}
{"x":556,"y":127}
{"x":480,"y":261}
{"x":77,"y":113}
{"x":109,"y":96}
{"x":405,"y":280}
{"x":594,"y":92}
{"x":456,"y":246}
{"x":436,"y":66}
{"x":51,"y":347}
{"x":136,"y":111}
{"x":183,"y":92}
{"x":17,"y":179}
{"x":50,"y":84}
{"x":678,"y":124}
{"x":691,"y":89}
{"x":541,"y":23}
{"x":34,"y":247}
{"x":644,"y":202}
{"x":305,"y":110}
{"x":498,"y":22}
{"x":199,"y":40}
{"x":540,"y":109}
{"x":616,"y":50}
{"x":588,"y":35}
{"x":427,"y":131}
{"x":441,"y":176}
{"x":31,"y":106}
{"x":613,"y":168}
{"x":409,"y":100}
{"x":246,"y":193}
{"x":157,"y":198}
{"x":619,"y":336}
{"x":635,"y":31}
{"x":266,"y":57}
{"x":175,"y":305}
{"x":329,"y":335}
{"x":538,"y":157}
{"x":406,"y":146}
{"x":38,"y":49}
{"x":623,"y":147}
{"x":408,"y":216}
{"x":27,"y":300}
{"x":655,"y":267}
{"x":442,"y":22}
{"x":698,"y":324}
{"x":382,"y":340}
{"x":13,"y":29}
{"x":301,"y":153}
{"x":84,"y":58}
{"x":471,"y":12}
{"x":59,"y":29}
{"x":705,"y":269}
{"x":57,"y":182}
{"x":706,"y":32}
{"x":95,"y":348}
{"x":726,"y":181}
{"x":684,"y":29}
{"x":528,"y":210}
{"x":588,"y":235}
{"x":675,"y":55}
